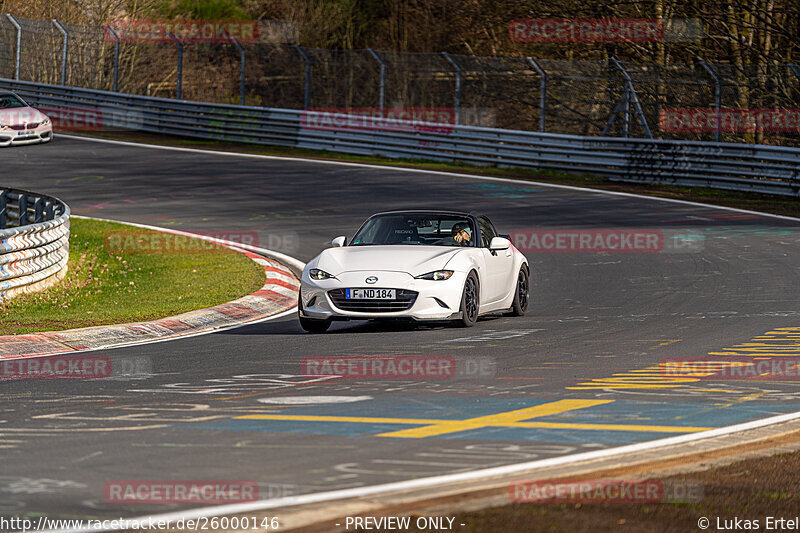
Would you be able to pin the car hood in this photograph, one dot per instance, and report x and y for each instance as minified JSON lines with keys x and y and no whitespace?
{"x":20,"y":115}
{"x":415,"y":260}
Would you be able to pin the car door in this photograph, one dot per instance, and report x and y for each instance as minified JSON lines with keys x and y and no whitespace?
{"x":499,"y":264}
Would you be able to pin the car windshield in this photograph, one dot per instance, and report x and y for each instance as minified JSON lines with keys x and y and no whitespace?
{"x":418,"y":229}
{"x":10,"y":101}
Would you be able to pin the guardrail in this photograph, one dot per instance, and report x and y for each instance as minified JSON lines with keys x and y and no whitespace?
{"x":742,"y":167}
{"x":34,"y":242}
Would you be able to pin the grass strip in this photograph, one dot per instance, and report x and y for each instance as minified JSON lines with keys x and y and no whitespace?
{"x":119,"y":273}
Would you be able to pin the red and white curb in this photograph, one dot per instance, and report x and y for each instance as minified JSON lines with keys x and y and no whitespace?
{"x":278,"y":295}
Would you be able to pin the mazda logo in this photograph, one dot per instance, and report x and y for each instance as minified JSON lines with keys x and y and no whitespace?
{"x":371,"y":280}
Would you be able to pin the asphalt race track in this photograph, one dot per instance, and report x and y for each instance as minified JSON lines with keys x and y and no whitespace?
{"x":598,"y":331}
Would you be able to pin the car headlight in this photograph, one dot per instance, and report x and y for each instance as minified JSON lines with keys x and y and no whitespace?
{"x":437,"y":275}
{"x":46,"y":122}
{"x":318,"y":274}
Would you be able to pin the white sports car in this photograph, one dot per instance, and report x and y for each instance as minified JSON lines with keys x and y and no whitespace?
{"x":422,"y":265}
{"x":21,"y":123}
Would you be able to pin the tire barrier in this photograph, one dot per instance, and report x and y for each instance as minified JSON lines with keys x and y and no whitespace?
{"x":34,"y":242}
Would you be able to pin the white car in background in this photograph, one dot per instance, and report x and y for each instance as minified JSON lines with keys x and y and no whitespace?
{"x":21,"y":123}
{"x":422,"y":265}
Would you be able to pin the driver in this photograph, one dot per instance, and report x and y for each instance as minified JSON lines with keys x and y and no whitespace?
{"x":460,"y":234}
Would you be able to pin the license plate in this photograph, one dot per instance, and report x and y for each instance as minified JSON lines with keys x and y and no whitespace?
{"x":370,"y":294}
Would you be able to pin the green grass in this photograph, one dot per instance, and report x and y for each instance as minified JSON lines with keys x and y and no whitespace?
{"x":108,"y":284}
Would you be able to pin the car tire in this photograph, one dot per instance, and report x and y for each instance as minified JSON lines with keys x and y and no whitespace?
{"x":522,"y":292}
{"x":312,"y":325}
{"x":470,"y":302}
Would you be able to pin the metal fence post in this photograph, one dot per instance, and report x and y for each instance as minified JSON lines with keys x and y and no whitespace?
{"x":631,"y":98}
{"x":622,"y":103}
{"x":542,"y":92}
{"x":22,"y":203}
{"x":113,"y":34}
{"x":456,"y":66}
{"x":382,"y":87}
{"x":179,"y":84}
{"x":717,"y":98}
{"x":64,"y":50}
{"x":307,"y":83}
{"x":242,"y":69}
{"x":38,"y":210}
{"x":3,"y":209}
{"x":13,"y":21}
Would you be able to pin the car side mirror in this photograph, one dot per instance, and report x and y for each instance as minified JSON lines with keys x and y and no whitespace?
{"x":499,"y":243}
{"x":338,"y":242}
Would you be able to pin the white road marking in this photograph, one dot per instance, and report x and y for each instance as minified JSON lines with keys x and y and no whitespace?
{"x":385,"y":168}
{"x":491,"y":335}
{"x":310,"y":400}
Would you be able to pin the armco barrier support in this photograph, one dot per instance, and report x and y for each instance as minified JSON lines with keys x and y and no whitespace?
{"x":741,"y":167}
{"x":34,"y":242}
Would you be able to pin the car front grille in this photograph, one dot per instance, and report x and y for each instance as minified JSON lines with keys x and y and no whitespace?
{"x":23,"y":127}
{"x":404,"y":300}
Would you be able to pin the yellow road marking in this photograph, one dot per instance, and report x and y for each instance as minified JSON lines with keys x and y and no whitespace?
{"x":518,"y":415}
{"x":603,"y":385}
{"x":357,"y":419}
{"x":662,"y":342}
{"x":769,"y":344}
{"x":770,"y":355}
{"x":776,"y":348}
{"x":429,"y":422}
{"x":780,"y":342}
{"x":747,"y":398}
{"x":751,"y":397}
{"x":716,"y":390}
{"x":239,"y":397}
{"x":611,"y":427}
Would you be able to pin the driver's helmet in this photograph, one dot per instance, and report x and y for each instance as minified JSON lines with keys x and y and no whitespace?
{"x":459,"y":227}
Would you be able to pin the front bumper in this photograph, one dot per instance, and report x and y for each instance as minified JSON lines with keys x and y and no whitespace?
{"x":41,"y":134}
{"x":435,"y":300}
